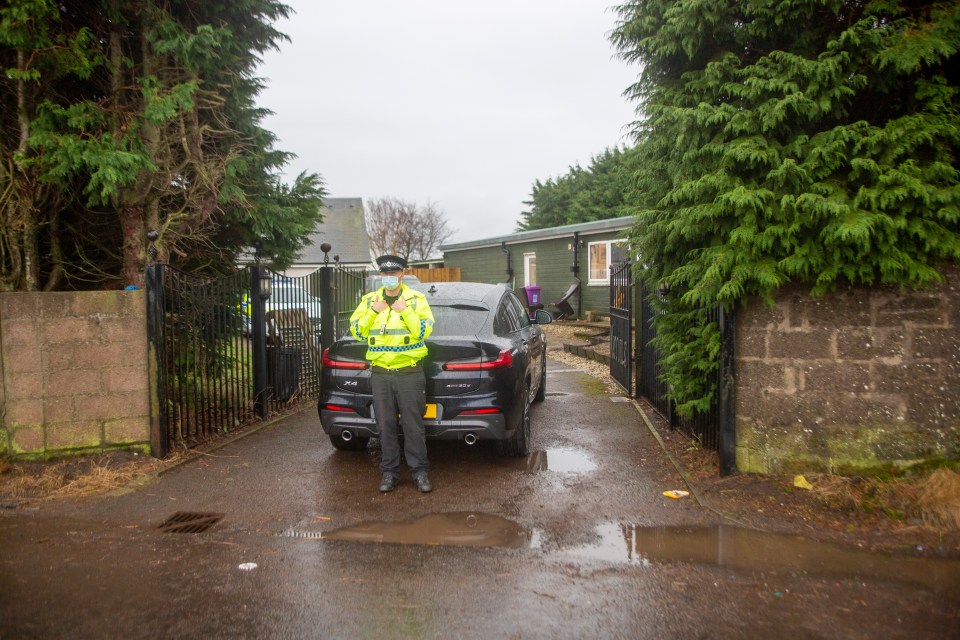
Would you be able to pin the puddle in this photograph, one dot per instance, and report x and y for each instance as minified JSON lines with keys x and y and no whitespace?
{"x":560,"y":460}
{"x":746,"y":549}
{"x":454,"y":529}
{"x":723,"y":546}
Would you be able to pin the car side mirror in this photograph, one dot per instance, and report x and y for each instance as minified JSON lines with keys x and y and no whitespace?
{"x":542,"y":317}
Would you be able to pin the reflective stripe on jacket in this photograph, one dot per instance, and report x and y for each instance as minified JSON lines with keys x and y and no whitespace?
{"x":394,"y":340}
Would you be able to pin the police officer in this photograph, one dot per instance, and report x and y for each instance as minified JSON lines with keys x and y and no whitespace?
{"x":394,"y":321}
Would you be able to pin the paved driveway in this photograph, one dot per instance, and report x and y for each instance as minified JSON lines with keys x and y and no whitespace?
{"x":577,"y":540}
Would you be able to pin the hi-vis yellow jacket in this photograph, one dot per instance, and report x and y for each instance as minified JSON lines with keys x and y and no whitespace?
{"x":394,"y":340}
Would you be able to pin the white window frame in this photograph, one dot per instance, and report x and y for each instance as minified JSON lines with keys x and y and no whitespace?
{"x":526,"y":268}
{"x":591,"y":281}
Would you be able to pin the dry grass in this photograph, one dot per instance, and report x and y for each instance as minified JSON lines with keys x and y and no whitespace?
{"x":852,"y":494}
{"x":932,"y":498}
{"x":938,"y":500}
{"x":25,"y":482}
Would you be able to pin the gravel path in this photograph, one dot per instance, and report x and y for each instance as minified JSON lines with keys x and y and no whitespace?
{"x":561,"y":333}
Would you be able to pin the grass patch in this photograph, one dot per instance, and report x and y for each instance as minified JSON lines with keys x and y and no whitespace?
{"x":939,"y":500}
{"x":930,"y":497}
{"x":22,"y":482}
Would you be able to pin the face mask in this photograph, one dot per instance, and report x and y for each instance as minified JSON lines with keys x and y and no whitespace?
{"x":391,"y":282}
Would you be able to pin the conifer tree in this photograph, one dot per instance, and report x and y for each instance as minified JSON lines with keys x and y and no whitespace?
{"x":789,"y":141}
{"x":601,"y":191}
{"x":136,"y":115}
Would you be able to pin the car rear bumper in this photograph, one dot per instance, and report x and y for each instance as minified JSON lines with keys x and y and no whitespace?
{"x":482,"y":427}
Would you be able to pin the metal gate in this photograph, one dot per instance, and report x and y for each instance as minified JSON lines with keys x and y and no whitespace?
{"x":200,"y":356}
{"x":713,"y":429}
{"x":621,"y":324}
{"x":346,"y":289}
{"x":227,"y":351}
{"x":650,"y":383}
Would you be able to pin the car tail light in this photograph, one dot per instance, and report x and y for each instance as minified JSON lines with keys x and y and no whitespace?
{"x":503,"y":361}
{"x":479,"y":412}
{"x":336,"y":407}
{"x":332,"y":363}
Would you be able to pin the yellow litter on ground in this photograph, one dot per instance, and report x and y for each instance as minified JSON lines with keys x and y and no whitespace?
{"x":676,"y":493}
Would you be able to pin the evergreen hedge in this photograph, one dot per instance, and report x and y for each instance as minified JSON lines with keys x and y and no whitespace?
{"x":788,"y":141}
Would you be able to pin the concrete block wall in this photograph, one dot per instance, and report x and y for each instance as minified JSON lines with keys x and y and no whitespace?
{"x":73,"y":372}
{"x":861,"y":379}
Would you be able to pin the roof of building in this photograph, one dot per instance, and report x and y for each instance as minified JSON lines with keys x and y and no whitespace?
{"x":597,"y":226}
{"x":345,"y":229}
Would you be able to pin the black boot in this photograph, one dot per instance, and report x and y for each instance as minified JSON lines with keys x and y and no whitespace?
{"x":423,"y":483}
{"x":388,"y":482}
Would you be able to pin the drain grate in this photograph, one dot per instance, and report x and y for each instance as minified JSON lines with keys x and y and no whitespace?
{"x":190,"y":522}
{"x":556,"y":393}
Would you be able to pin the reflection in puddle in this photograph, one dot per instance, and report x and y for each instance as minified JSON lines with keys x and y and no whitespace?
{"x":759,"y":551}
{"x":456,"y":529}
{"x":560,"y":460}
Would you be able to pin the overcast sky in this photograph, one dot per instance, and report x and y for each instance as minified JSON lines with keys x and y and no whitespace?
{"x":464,"y":104}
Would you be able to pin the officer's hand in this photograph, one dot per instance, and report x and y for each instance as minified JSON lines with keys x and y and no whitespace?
{"x":399,"y":305}
{"x":379,"y":305}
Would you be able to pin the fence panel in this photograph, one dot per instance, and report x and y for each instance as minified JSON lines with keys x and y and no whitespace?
{"x":204,"y":371}
{"x":293,"y":319}
{"x":437,"y":274}
{"x":649,"y":383}
{"x":705,"y":426}
{"x":208,"y":375}
{"x":348,"y":286}
{"x":714,"y":428}
{"x":621,"y":324}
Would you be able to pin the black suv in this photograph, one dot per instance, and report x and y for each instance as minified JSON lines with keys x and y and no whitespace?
{"x":486,"y":364}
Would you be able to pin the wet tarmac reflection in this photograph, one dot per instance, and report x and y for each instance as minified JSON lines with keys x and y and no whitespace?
{"x":720,"y":545}
{"x":559,"y":460}
{"x":457,"y":529}
{"x":746,"y":549}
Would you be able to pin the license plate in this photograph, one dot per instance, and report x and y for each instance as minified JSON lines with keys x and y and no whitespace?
{"x":431,"y":411}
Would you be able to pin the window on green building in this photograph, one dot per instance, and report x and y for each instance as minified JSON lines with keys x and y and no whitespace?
{"x":599,"y":257}
{"x":529,"y":269}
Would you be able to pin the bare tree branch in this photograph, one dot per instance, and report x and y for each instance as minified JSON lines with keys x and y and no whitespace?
{"x":401,"y":228}
{"x":434,"y":231}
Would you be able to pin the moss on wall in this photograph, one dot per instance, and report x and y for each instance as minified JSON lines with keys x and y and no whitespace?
{"x":861,"y":449}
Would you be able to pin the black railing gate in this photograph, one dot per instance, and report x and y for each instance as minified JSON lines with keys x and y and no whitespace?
{"x":650,"y":383}
{"x":621,"y":324}
{"x":227,"y":351}
{"x":713,"y":429}
{"x":200,"y":358}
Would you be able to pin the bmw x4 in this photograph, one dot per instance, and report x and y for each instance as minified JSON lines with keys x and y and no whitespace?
{"x":486,"y":365}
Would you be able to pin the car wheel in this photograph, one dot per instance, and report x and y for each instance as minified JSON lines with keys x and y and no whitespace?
{"x":518,"y":445}
{"x":355,"y":444}
{"x":542,"y":391}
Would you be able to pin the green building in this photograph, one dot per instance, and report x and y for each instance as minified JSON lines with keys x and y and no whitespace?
{"x":554,"y":259}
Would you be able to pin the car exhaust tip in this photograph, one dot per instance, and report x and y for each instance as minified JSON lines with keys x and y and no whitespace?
{"x":347,"y":435}
{"x":470,"y":438}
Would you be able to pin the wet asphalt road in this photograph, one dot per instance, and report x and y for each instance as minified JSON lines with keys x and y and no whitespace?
{"x":575,"y":541}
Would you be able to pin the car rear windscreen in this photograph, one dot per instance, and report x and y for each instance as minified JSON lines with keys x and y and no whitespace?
{"x":458,"y":319}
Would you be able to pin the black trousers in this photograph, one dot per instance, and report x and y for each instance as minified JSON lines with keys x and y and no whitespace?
{"x":403,"y":395}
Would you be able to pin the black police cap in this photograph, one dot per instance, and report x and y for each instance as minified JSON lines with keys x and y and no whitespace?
{"x":391,"y":263}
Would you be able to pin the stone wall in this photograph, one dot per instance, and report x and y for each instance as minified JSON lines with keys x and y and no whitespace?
{"x":859,"y":380}
{"x":73,"y":372}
